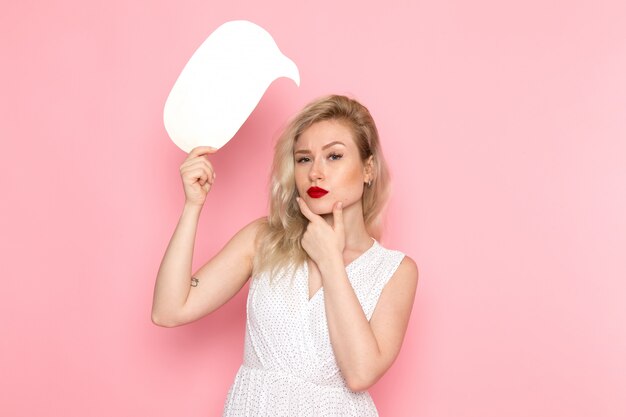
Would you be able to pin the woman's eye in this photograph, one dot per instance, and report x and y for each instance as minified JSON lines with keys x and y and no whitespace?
{"x":303,"y":159}
{"x":335,"y":156}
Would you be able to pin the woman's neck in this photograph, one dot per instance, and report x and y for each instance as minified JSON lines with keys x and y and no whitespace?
{"x":357,"y":237}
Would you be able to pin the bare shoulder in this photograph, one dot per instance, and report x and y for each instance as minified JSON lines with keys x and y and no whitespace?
{"x":403,"y":284}
{"x":244,"y":243}
{"x":255,"y":225}
{"x":252,"y":231}
{"x":399,"y":292}
{"x":257,"y":229}
{"x":407,"y":271}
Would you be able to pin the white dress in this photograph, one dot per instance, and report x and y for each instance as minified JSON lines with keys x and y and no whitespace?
{"x":289,"y":368}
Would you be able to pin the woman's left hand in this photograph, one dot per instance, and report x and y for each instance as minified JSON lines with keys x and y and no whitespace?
{"x":322,"y":241}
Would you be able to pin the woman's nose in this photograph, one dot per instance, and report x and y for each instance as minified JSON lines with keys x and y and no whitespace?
{"x":316,"y":172}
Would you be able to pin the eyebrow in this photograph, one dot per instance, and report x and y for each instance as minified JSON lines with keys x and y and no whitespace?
{"x":328,"y":145}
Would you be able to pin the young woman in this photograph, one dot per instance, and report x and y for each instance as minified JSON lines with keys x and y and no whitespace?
{"x":328,"y":306}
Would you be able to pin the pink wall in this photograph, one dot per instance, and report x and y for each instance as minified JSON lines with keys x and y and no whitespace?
{"x":505,"y":127}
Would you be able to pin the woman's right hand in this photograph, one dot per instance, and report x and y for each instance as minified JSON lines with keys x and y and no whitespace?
{"x":197,"y":174}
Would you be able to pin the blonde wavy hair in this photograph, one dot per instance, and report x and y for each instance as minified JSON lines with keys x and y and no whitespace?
{"x":279,"y":244}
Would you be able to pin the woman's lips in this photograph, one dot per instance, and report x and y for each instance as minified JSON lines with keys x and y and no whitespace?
{"x":316,"y":192}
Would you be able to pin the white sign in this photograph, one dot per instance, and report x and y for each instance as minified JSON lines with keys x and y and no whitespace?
{"x":222,"y":83}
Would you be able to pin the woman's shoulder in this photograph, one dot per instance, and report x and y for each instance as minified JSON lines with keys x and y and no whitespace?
{"x":387,"y":251}
{"x":255,"y":228}
{"x":256,"y":225}
{"x":406,"y":265}
{"x":249,"y":234}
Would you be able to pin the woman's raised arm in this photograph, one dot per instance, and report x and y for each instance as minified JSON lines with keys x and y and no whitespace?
{"x":177,"y":298}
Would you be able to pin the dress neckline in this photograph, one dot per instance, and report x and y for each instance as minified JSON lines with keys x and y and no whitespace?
{"x":350,"y":265}
{"x":374,"y":242}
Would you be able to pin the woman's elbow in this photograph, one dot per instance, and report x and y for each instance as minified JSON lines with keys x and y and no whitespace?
{"x":164,"y":321}
{"x":361,"y":383}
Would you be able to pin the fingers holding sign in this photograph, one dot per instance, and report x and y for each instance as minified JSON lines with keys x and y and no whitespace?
{"x":321,"y":240}
{"x":197,"y":175}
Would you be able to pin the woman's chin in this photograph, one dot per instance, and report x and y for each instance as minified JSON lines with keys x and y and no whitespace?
{"x":320,"y":207}
{"x":324,"y":213}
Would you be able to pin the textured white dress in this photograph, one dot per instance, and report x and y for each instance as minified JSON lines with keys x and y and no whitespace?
{"x":289,"y":368}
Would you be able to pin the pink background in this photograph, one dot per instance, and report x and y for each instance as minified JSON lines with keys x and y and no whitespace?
{"x":505,"y":127}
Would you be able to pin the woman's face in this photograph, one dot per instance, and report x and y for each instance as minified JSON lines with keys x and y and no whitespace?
{"x":328,"y":167}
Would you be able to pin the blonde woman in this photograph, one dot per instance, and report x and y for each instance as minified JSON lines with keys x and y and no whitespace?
{"x":328,"y":306}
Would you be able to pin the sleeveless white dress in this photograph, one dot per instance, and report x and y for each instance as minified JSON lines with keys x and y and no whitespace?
{"x":289,"y":368}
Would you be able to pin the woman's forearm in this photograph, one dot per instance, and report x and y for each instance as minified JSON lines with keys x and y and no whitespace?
{"x":174,"y":277}
{"x":352,"y":338}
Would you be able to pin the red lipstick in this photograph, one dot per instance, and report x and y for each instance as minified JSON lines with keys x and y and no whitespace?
{"x":316,"y":192}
